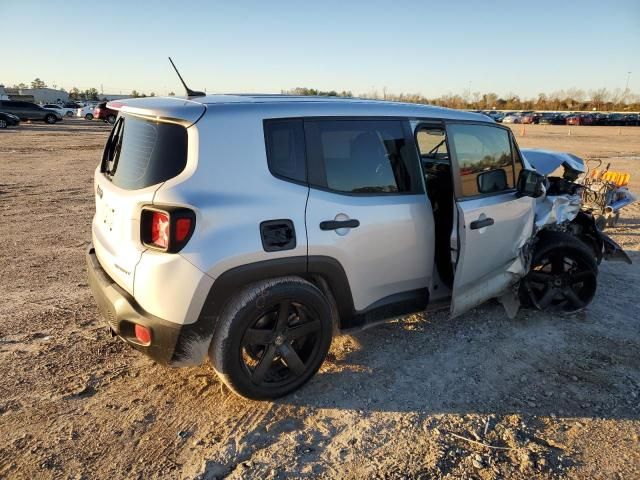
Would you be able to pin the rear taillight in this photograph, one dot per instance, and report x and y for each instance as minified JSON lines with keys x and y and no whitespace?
{"x":160,"y":229}
{"x":167,"y":229}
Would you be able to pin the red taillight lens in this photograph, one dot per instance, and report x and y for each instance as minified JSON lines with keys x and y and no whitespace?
{"x":183,"y":229}
{"x":143,"y":334}
{"x":168,"y":229}
{"x":160,"y":229}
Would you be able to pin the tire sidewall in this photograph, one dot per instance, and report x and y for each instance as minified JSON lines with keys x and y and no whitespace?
{"x":50,"y":119}
{"x":249,"y":305}
{"x":88,"y":116}
{"x":111,"y":119}
{"x":3,"y":124}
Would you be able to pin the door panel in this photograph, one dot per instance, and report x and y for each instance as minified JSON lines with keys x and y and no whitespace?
{"x":390,"y":251}
{"x":493,"y":222}
{"x":489,"y":256}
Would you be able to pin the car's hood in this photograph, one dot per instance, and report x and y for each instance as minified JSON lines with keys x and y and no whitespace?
{"x":547,"y":161}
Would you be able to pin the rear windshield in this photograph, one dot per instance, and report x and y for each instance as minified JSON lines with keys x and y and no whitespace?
{"x":141,"y":153}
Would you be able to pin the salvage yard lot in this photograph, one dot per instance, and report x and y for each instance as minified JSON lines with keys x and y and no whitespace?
{"x":560,"y":395}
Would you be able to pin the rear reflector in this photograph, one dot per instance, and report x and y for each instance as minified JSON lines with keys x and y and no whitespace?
{"x":143,"y":334}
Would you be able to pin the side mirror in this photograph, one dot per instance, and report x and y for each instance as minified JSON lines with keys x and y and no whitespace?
{"x":530,"y":184}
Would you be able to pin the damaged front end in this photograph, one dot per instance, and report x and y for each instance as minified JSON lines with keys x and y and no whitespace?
{"x":559,"y":210}
{"x":563,"y":206}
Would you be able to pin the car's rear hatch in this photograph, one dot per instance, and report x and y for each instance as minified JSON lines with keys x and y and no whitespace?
{"x":147,"y":146}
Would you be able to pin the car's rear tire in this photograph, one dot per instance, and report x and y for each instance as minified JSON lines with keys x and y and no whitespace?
{"x":50,"y":119}
{"x":563,"y":274}
{"x":88,"y":116}
{"x":111,"y":119}
{"x":272,"y":337}
{"x":3,"y":123}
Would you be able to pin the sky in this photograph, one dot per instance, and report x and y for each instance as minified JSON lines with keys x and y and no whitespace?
{"x":429,"y":47}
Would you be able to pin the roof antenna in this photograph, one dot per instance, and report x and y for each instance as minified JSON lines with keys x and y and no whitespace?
{"x":190,"y":93}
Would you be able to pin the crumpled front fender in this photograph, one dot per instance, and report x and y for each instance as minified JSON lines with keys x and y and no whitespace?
{"x":612,"y":251}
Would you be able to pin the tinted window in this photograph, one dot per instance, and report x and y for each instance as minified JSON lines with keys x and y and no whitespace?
{"x":141,"y":153}
{"x":361,"y":156}
{"x":285,"y":148}
{"x":432,"y":143}
{"x":480,"y":151}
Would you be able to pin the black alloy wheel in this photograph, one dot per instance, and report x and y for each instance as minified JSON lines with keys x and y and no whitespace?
{"x":561,"y":280}
{"x":272,"y":337}
{"x":279,"y":346}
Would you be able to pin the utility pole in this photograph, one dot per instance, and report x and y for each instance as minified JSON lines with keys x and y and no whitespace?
{"x":626,"y":88}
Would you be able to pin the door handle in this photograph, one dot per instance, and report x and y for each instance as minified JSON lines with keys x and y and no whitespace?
{"x":336,"y":224}
{"x":485,"y":222}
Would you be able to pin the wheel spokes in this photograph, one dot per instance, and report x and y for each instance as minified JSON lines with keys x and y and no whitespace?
{"x":557,"y":263}
{"x":304,"y":329}
{"x":283,"y":316}
{"x":291,"y":358}
{"x":256,"y":336}
{"x":264,"y":364}
{"x":540,"y":276}
{"x":573,"y":298}
{"x":546,"y":298}
{"x":580,"y":277}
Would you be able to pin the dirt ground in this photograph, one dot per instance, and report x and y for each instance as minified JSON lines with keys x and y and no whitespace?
{"x":480,"y":396}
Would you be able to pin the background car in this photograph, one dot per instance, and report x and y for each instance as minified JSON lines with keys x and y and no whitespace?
{"x":633,"y":119}
{"x":551,"y":118}
{"x":580,"y":119}
{"x":29,"y":111}
{"x":512,"y":118}
{"x":616,"y":119}
{"x":529,"y":117}
{"x":8,"y":120}
{"x":85,"y":112}
{"x":63,"y":111}
{"x":101,"y":112}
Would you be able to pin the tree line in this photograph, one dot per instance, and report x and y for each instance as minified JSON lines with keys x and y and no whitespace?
{"x":77,"y":94}
{"x":600,"y":99}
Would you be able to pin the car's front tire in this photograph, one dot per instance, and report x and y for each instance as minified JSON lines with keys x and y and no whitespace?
{"x":50,"y":119}
{"x":272,"y":337}
{"x":563,"y":274}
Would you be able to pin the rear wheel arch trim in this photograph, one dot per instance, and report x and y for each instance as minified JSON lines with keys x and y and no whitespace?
{"x":232,"y":280}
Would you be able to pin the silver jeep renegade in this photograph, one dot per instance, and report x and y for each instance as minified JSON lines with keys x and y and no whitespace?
{"x":251,"y":229}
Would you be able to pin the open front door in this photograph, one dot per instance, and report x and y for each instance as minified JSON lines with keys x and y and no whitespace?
{"x":493,"y":223}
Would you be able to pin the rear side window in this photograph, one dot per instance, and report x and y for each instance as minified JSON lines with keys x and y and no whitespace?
{"x":285,"y":148}
{"x":361,"y":156}
{"x":141,"y":153}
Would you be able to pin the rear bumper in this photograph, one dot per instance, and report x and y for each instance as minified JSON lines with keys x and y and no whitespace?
{"x":121,"y":313}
